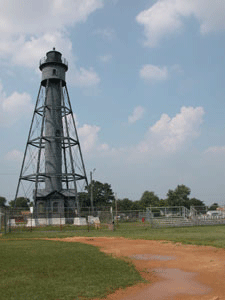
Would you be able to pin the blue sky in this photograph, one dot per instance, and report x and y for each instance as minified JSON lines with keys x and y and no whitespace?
{"x":146,"y":82}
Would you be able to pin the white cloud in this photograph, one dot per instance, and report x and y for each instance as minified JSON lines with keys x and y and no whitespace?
{"x":75,"y":119}
{"x":75,"y":11}
{"x":28,"y":31}
{"x":115,"y":1}
{"x":88,"y":136}
{"x":177,"y":69}
{"x":85,"y":78}
{"x":105,"y":58}
{"x":171,"y":134}
{"x":14,"y":107}
{"x":137,"y":114}
{"x":89,"y":139}
{"x":14,"y":156}
{"x":215,"y":150}
{"x":16,"y":103}
{"x":166,"y":17}
{"x":167,"y":136}
{"x":153,"y":73}
{"x":106,"y":33}
{"x":44,"y":15}
{"x":103,"y":147}
{"x":32,"y":50}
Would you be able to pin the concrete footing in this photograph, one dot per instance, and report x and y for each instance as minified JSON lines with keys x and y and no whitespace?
{"x":93,"y":220}
{"x":80,"y":221}
{"x":12,"y":222}
{"x":32,"y":222}
{"x":45,"y":222}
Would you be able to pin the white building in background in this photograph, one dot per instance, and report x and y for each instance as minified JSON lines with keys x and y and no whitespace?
{"x":215,"y":213}
{"x":222,"y":209}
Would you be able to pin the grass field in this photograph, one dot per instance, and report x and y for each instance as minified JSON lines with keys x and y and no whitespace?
{"x":35,"y":269}
{"x":198,"y":235}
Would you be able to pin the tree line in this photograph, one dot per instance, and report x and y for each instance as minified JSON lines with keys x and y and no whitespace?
{"x":103,"y":196}
{"x":20,"y":202}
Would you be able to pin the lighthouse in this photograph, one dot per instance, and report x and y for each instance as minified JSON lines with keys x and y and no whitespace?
{"x":53,"y":79}
{"x":53,"y":171}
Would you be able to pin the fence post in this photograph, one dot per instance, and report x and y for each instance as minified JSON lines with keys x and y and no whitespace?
{"x":31,"y":216}
{"x":5,"y":223}
{"x":9,"y":223}
{"x":1,"y":218}
{"x":151,"y":218}
{"x":60,"y":221}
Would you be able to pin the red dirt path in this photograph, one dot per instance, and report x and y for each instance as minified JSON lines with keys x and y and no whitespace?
{"x":207,"y":263}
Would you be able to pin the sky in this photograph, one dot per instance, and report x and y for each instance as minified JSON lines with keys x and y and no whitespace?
{"x":146,"y":81}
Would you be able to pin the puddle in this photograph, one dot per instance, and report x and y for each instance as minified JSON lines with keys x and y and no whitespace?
{"x":152,"y":257}
{"x":176,"y":282}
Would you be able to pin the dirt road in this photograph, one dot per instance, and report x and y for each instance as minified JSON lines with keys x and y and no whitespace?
{"x":175,"y":271}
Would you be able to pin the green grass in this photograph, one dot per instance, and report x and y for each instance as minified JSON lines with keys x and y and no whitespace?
{"x":35,"y":269}
{"x":198,"y":235}
{"x":64,"y":228}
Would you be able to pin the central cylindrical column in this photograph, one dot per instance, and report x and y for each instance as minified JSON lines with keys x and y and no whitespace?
{"x":53,"y":68}
{"x":53,"y":134}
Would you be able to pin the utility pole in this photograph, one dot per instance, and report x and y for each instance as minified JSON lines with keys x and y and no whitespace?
{"x":116,"y":209}
{"x":92,"y":205}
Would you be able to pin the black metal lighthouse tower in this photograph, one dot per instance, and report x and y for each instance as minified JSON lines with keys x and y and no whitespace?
{"x":52,"y":172}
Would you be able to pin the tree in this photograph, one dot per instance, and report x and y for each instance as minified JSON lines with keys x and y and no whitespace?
{"x":84,"y":199}
{"x":136,"y":205}
{"x":102,"y":193}
{"x":2,"y":201}
{"x":148,"y":199}
{"x":214,"y":206}
{"x":163,"y":202}
{"x":21,"y":202}
{"x":196,"y":202}
{"x":179,"y":197}
{"x":124,"y":205}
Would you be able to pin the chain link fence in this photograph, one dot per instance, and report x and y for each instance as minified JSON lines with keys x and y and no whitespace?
{"x":48,"y":219}
{"x":20,"y":219}
{"x":179,"y":216}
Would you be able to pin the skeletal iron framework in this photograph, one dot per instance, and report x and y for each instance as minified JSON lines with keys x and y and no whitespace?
{"x":53,"y":169}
